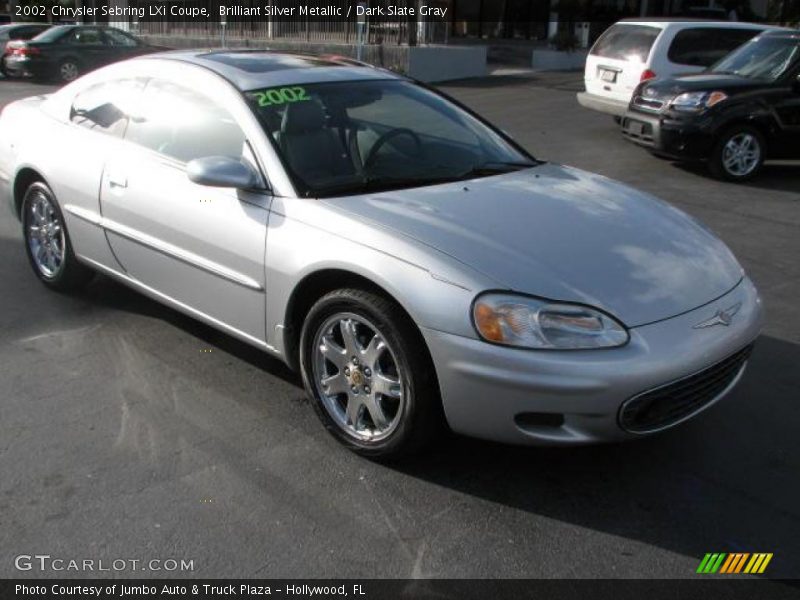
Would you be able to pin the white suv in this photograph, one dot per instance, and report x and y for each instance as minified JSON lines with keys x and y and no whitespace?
{"x":632,"y":51}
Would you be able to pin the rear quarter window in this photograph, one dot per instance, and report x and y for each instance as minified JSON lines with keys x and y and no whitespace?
{"x":703,"y":46}
{"x":626,"y":42}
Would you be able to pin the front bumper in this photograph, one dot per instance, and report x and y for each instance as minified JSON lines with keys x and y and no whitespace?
{"x":602,"y":104}
{"x":679,"y":139}
{"x":5,"y":192}
{"x":574,"y":397}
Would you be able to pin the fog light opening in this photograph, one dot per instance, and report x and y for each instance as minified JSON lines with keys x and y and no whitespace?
{"x":539,"y":420}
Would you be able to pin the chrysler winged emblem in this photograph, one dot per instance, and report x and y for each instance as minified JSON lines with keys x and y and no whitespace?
{"x":722,"y":317}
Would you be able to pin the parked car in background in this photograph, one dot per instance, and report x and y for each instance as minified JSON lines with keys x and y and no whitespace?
{"x":741,"y":111}
{"x":15,"y":32}
{"x":633,"y":51}
{"x":67,"y":51}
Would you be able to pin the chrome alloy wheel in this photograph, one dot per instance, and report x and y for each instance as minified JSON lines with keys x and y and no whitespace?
{"x":357,"y":377}
{"x":741,"y":154}
{"x":68,"y":71}
{"x":45,"y":235}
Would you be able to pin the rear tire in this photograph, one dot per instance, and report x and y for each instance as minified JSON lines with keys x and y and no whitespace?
{"x":47,"y":242}
{"x":738,"y":154}
{"x":369,"y":376}
{"x":68,"y":70}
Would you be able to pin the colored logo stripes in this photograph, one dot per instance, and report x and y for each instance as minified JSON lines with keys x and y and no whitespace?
{"x":737,"y":562}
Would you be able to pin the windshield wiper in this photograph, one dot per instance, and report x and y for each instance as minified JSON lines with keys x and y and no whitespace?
{"x":384,"y":183}
{"x":374,"y":184}
{"x":495,"y":168}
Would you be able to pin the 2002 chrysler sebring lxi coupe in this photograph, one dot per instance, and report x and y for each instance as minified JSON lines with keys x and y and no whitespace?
{"x":416,"y":265}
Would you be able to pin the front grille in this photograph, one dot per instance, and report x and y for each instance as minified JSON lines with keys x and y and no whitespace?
{"x":666,"y":405}
{"x":647,"y":103}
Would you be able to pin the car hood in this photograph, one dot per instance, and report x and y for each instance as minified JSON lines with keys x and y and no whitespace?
{"x":701,"y":82}
{"x":564,"y":234}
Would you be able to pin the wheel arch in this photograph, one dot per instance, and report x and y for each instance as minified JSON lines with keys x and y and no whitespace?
{"x":25,"y":177}
{"x":314,"y":286}
{"x":762,"y":124}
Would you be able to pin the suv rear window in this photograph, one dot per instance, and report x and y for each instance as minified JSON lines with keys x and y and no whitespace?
{"x":703,"y":46}
{"x":623,"y":42}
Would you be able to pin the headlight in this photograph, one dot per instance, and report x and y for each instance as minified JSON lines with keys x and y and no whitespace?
{"x":696,"y":101}
{"x":530,"y":323}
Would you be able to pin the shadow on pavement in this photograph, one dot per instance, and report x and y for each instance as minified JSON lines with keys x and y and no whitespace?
{"x":781,"y":177}
{"x":106,"y":292}
{"x":724,"y":482}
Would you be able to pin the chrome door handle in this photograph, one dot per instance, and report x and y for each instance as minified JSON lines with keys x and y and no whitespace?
{"x":117,"y":181}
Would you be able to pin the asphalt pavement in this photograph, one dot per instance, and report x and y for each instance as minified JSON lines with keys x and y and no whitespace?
{"x":129,"y":431}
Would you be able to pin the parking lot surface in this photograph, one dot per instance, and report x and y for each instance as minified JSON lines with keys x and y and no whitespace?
{"x":128,"y":431}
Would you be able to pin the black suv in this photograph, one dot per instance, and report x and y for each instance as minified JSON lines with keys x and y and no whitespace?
{"x":734,"y":115}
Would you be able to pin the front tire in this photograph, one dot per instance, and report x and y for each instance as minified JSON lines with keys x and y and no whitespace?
{"x":738,"y":154}
{"x":47,"y":241}
{"x":369,"y":375}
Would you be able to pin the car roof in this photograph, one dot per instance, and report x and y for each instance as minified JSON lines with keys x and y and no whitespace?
{"x":665,"y":22}
{"x":792,"y":34}
{"x":12,"y":26}
{"x":259,"y":69}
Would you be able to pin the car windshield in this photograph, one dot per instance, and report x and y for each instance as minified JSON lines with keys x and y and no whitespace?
{"x":52,"y":34}
{"x":626,"y":42}
{"x":762,"y":58}
{"x":361,"y":136}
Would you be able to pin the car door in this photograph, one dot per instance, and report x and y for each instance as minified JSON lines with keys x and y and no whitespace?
{"x":697,"y":48}
{"x":121,"y":45}
{"x":786,"y":103}
{"x":198,"y":246}
{"x":91,"y":128}
{"x":87,"y":45}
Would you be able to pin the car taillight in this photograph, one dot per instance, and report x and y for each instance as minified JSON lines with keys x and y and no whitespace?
{"x":647,"y":74}
{"x":25,"y":51}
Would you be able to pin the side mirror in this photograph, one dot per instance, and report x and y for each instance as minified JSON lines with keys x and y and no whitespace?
{"x":223,"y":172}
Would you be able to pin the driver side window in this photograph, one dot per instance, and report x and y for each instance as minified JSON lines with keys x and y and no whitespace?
{"x":117,"y":38}
{"x":85,"y":37}
{"x":184,"y":125}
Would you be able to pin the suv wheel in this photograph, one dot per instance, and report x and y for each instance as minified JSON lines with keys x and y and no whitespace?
{"x":738,"y":154}
{"x":369,"y":375}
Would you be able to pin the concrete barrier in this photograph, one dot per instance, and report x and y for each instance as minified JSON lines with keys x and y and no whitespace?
{"x":426,"y":63}
{"x":442,"y":63}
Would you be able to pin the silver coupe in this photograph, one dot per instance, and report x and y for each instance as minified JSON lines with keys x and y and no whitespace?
{"x":417,"y":266}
